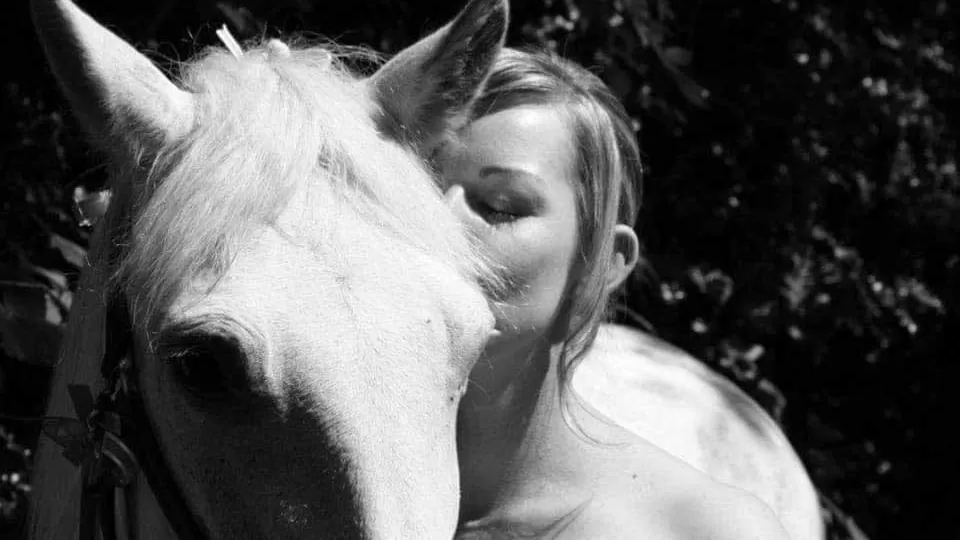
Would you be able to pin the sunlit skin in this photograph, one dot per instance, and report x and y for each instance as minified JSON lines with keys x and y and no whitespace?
{"x":511,"y":179}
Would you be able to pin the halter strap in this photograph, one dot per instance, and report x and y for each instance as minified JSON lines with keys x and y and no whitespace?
{"x":114,"y":442}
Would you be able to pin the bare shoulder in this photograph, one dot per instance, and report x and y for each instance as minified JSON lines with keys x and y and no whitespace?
{"x":721,"y":512}
{"x":631,"y":488}
{"x":605,"y":482}
{"x":714,"y":512}
{"x":677,"y":403}
{"x":674,"y":502}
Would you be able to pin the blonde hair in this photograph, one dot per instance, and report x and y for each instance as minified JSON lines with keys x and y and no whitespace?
{"x":609,"y":168}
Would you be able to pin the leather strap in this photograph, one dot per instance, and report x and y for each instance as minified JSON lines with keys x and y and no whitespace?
{"x":114,"y":441}
{"x":139,"y":431}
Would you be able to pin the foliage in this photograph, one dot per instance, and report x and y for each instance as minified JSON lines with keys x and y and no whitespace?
{"x":801,"y":209}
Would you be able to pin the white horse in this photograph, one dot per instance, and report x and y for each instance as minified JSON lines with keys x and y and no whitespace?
{"x":682,"y":406}
{"x":278,"y":293}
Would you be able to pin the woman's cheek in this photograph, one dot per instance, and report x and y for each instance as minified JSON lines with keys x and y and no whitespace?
{"x":536,"y":277}
{"x":516,"y":255}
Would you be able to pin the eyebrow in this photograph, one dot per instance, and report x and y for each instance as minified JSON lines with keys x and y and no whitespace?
{"x":492,"y":170}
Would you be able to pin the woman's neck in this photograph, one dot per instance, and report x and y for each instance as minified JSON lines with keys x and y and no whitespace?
{"x":494,"y":418}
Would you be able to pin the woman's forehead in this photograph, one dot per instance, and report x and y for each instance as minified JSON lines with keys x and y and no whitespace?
{"x":532,"y":139}
{"x":542,"y":125}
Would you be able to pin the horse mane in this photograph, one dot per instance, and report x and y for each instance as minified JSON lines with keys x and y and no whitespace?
{"x":271,"y":124}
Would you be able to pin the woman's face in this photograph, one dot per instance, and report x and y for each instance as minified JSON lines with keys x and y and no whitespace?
{"x":511,"y":180}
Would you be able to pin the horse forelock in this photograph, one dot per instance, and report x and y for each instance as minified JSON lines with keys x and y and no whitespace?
{"x":270,"y":126}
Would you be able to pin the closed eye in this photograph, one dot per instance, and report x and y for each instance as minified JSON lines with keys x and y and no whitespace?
{"x":496,"y":213}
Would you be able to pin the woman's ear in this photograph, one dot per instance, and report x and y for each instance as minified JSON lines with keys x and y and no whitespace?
{"x":626,"y":252}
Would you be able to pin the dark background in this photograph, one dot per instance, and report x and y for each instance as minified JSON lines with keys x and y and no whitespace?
{"x":801,"y":210}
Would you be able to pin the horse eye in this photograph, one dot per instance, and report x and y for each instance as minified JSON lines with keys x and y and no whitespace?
{"x":207,"y":366}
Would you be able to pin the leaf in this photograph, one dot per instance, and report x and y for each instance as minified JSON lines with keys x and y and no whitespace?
{"x":920,"y":293}
{"x":32,"y":301}
{"x":771,"y":399}
{"x":677,"y":56}
{"x":798,"y":283}
{"x":29,"y":323}
{"x":698,"y":278}
{"x":34,"y":341}
{"x":72,"y":253}
{"x":718,"y":286}
{"x":59,"y":295}
{"x":695,"y":94}
{"x":24,"y":299}
{"x":56,"y":278}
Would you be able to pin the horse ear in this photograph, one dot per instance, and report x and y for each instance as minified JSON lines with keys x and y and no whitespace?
{"x":107,"y":82}
{"x":429,"y":88}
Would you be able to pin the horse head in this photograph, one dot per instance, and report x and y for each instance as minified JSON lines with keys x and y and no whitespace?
{"x":300,"y":308}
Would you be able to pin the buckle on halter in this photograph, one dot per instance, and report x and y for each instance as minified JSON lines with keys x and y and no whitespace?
{"x":94,"y":445}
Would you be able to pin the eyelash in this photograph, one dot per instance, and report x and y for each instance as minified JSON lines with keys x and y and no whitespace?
{"x":495,"y":216}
